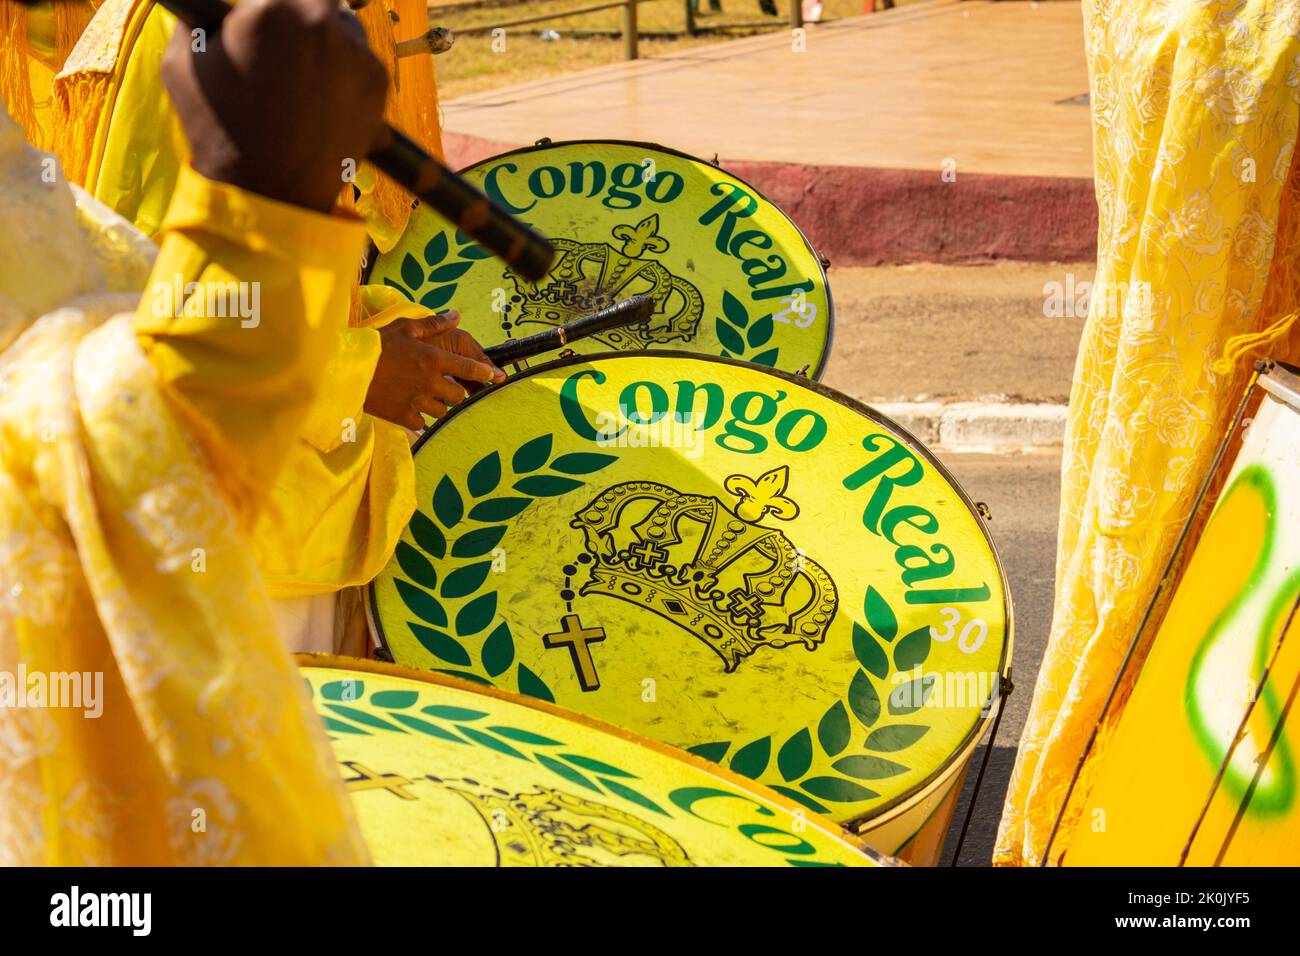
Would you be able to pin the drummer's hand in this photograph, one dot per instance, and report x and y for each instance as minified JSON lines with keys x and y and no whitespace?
{"x":281,"y":97}
{"x":424,"y":365}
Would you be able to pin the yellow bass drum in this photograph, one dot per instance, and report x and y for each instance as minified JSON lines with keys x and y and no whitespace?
{"x":1219,"y":685}
{"x":444,"y":773}
{"x":732,"y":560}
{"x":729,"y":272}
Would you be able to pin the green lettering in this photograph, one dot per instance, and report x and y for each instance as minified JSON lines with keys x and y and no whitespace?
{"x":928,"y":569}
{"x":949,"y":596}
{"x":493,"y":189}
{"x":732,"y":196}
{"x":904,"y":514}
{"x":879,"y":468}
{"x":685,"y":407}
{"x":571,"y":406}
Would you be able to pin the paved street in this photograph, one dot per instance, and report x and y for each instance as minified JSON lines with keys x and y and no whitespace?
{"x":913,"y":88}
{"x":1023,"y":492}
{"x":954,"y":333}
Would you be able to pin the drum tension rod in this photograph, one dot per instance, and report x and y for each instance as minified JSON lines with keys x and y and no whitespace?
{"x":1005,"y":688}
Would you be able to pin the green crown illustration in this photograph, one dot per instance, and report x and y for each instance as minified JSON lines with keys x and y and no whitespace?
{"x":593,"y":275}
{"x":733,"y":583}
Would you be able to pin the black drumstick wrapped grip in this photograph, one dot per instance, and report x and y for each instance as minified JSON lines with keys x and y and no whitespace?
{"x":403,"y":160}
{"x":630,"y":311}
{"x":474,"y":214}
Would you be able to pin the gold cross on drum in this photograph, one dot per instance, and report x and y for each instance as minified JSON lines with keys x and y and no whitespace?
{"x":576,"y":638}
{"x":369,"y":780}
{"x":743,"y":605}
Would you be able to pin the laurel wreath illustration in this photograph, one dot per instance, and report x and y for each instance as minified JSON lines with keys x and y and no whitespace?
{"x":487,"y":508}
{"x":742,"y":338}
{"x":441,"y":274}
{"x":834,"y":731}
{"x":463,"y":725}
{"x":784,"y":765}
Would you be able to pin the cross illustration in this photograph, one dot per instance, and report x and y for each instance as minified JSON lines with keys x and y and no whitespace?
{"x":576,"y":638}
{"x":647,"y":553}
{"x":369,"y":780}
{"x":742,"y":603}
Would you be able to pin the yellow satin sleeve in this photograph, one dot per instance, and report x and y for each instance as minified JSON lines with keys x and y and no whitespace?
{"x":344,"y":487}
{"x":138,"y":153}
{"x":347,"y":489}
{"x":245,"y":384}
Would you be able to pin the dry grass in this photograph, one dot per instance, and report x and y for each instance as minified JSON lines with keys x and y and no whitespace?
{"x":585,"y":41}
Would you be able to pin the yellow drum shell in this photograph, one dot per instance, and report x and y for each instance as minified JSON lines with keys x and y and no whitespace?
{"x":1168,"y":785}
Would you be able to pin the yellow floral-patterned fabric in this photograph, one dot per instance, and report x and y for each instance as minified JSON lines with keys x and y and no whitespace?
{"x":1195,"y":110}
{"x":136,"y":450}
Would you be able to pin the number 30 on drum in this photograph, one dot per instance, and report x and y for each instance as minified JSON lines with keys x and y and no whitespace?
{"x":972,"y":635}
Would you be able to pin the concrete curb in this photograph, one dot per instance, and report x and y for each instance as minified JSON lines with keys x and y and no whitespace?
{"x":866,"y":216}
{"x":980,"y":426}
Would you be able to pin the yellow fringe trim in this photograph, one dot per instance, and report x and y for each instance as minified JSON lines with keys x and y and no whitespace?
{"x":79,"y":100}
{"x":19,"y":57}
{"x":1239,"y":346}
{"x":70,"y":21}
{"x":15,"y":67}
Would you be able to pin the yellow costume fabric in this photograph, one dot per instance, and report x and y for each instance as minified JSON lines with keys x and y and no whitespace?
{"x":118,"y":135}
{"x":136,"y":448}
{"x":1195,"y":111}
{"x":347,"y":490}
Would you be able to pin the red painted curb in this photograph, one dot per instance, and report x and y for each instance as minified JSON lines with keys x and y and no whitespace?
{"x":864,"y":216}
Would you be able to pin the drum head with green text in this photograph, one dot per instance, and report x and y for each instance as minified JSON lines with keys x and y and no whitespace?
{"x":730,"y":274}
{"x":444,"y":775}
{"x":733,"y":561}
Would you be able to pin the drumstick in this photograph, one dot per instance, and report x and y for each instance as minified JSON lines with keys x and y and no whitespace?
{"x":631,"y":310}
{"x":406,"y":163}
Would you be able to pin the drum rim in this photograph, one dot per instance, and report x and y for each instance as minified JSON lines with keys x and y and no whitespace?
{"x":960,"y":755}
{"x":812,"y":250}
{"x":745,"y":785}
{"x":1282,"y":381}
